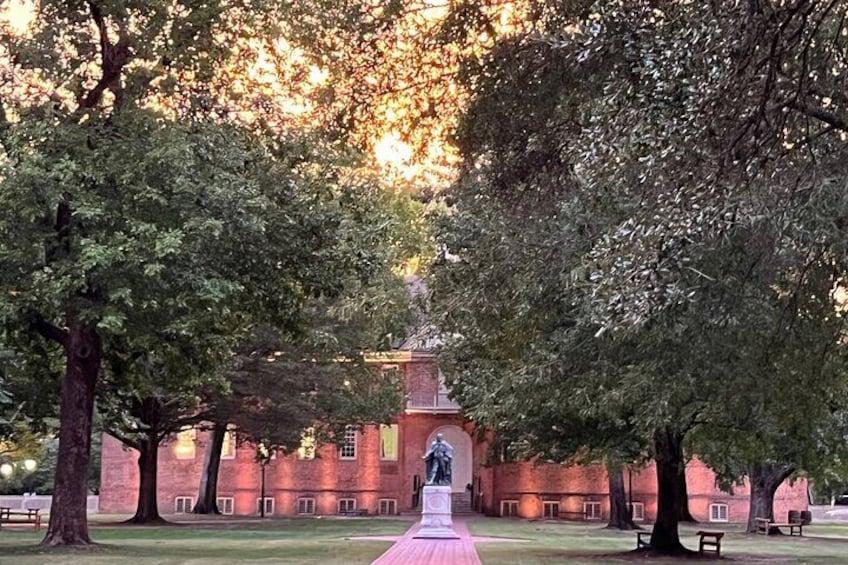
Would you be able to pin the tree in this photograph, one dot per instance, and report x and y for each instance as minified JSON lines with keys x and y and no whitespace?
{"x":606,"y":198}
{"x":147,"y":401}
{"x":320,"y":382}
{"x":211,"y":226}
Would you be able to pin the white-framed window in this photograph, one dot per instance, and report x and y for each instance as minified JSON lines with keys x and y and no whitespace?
{"x":388,"y":507}
{"x":592,"y":510}
{"x":389,"y":442}
{"x":184,"y":446}
{"x":347,"y":505}
{"x":550,"y":509}
{"x":306,"y":506}
{"x":183,"y":504}
{"x":348,"y":448}
{"x":306,"y":451}
{"x":269,"y":505}
{"x":638,"y":512}
{"x":509,"y":508}
{"x":718,"y":512}
{"x":225,"y":504}
{"x":228,"y":448}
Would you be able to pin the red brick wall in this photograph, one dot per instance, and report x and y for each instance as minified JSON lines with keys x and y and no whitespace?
{"x":368,"y":478}
{"x":531,"y":484}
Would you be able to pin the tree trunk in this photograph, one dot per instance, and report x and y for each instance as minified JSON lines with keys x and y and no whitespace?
{"x":682,"y":493}
{"x":669,"y":460}
{"x":147,"y":509}
{"x":765,"y":478}
{"x":620,"y":512}
{"x":68,"y":520}
{"x":148,"y":411}
{"x":207,"y":495}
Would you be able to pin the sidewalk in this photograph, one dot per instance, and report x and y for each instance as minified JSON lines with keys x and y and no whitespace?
{"x":410,"y":551}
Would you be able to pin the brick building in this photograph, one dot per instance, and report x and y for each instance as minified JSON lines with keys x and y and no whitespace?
{"x":381,"y":468}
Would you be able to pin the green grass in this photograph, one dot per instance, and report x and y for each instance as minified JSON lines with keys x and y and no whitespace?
{"x":271,"y":541}
{"x":580,"y":544}
{"x":310,"y":541}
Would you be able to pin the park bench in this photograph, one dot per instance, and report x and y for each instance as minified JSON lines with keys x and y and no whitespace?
{"x":640,"y":542}
{"x":710,"y":541}
{"x":29,"y":515}
{"x":764,"y":526}
{"x":354,"y":512}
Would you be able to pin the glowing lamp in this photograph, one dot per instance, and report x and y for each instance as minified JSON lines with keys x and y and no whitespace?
{"x":6,"y":470}
{"x":29,"y":465}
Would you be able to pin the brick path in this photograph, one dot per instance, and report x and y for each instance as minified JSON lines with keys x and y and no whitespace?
{"x":410,"y":551}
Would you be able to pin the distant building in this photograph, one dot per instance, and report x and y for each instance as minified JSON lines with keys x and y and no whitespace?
{"x":380,"y":470}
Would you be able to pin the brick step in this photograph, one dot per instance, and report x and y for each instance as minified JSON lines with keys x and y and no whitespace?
{"x":461,"y":503}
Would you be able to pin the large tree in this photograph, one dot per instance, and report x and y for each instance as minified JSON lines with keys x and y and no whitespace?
{"x":118,"y":220}
{"x":284,"y":381}
{"x":619,"y":168}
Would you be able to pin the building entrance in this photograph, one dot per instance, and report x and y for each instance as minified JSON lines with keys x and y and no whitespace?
{"x":461,"y":469}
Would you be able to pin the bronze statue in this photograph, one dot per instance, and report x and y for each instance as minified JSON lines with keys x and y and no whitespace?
{"x":438,"y":460}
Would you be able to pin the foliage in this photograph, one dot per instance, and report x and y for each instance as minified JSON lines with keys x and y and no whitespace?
{"x":649,"y":226}
{"x":144,"y":222}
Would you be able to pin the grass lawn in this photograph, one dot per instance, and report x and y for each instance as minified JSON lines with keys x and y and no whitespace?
{"x":306,"y":541}
{"x":579,"y":544}
{"x":310,"y":541}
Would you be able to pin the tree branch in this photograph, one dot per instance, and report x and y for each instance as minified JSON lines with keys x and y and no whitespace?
{"x":836,"y":122}
{"x":124,"y":439}
{"x":48,"y":330}
{"x":112,"y":59}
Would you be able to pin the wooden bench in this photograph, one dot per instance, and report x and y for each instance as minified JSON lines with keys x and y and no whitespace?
{"x":28,"y":516}
{"x":710,"y":541}
{"x":354,"y":512}
{"x":640,"y":543}
{"x":764,"y":526}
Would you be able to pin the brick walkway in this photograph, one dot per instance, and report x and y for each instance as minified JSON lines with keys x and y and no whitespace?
{"x":410,"y":551}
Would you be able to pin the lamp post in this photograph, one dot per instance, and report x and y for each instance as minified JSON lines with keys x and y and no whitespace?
{"x":263,"y":456}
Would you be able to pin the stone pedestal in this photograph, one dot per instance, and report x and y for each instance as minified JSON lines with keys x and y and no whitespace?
{"x":436,"y":519}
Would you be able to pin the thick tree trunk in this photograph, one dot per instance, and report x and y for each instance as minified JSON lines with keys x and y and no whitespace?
{"x":207,"y":495}
{"x":668,"y":456}
{"x":147,"y":508}
{"x":682,"y":493}
{"x":765,"y":478}
{"x":620,"y":512}
{"x":68,"y":520}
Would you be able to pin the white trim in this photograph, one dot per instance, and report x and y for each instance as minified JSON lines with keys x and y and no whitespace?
{"x":305,"y":505}
{"x":509,"y":508}
{"x":346,"y":505}
{"x":716,"y":509}
{"x":638,"y":511}
{"x":349,"y":447}
{"x":180,"y":506}
{"x":387,"y":507}
{"x":226,"y":505}
{"x":548,"y":507}
{"x":596,"y":513}
{"x":269,"y":506}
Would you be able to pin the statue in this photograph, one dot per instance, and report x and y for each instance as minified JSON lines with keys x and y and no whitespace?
{"x":438,"y":460}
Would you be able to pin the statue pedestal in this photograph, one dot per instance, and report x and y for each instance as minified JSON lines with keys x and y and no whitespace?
{"x":436,"y":522}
